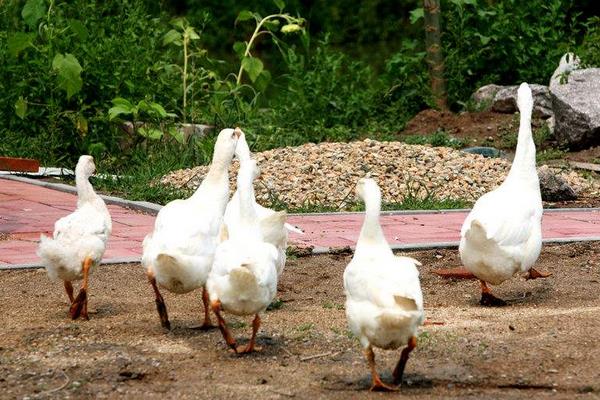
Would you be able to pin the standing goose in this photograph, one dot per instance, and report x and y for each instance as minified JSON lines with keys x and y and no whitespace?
{"x":502,"y":235}
{"x":79,"y":239}
{"x":384,"y":303}
{"x":243,"y":280}
{"x":179,"y":253}
{"x":273,"y":227}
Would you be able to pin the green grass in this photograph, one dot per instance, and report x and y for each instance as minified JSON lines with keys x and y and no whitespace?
{"x":550,"y":154}
{"x":329,"y":305}
{"x":275,"y":305}
{"x":305,"y":327}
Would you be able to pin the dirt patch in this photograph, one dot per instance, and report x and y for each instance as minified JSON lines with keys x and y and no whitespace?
{"x":479,"y":128}
{"x":535,"y":347}
{"x":591,"y":155}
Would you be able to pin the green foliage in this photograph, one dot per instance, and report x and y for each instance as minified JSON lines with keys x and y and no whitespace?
{"x":549,"y":154}
{"x":69,"y":73}
{"x":504,"y":42}
{"x":589,"y":51}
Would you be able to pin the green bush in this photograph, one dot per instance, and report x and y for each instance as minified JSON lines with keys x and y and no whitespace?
{"x":65,"y":64}
{"x":589,"y":51}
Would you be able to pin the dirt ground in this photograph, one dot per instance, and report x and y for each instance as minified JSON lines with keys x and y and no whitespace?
{"x":484,"y":128}
{"x":544,"y":344}
{"x":480,"y":128}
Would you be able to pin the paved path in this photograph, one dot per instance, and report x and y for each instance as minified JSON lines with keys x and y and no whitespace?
{"x":27,"y":210}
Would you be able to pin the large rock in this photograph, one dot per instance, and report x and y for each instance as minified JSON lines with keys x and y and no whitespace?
{"x":484,"y":96}
{"x":505,"y":101}
{"x":553,"y":186}
{"x":576,"y":105}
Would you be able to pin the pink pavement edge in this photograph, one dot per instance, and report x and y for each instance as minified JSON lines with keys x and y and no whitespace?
{"x":27,"y":210}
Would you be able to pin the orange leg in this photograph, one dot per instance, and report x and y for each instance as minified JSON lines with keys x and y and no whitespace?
{"x":252,"y":344}
{"x":160,"y":302}
{"x":399,"y":370}
{"x":487,"y":298}
{"x":79,"y":305}
{"x":535,"y":274}
{"x":376,"y":384}
{"x":216,"y":307}
{"x":205,"y":301}
{"x":69,"y":290}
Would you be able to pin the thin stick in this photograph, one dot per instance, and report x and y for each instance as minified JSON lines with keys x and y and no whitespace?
{"x":64,"y":385}
{"x":329,"y":353}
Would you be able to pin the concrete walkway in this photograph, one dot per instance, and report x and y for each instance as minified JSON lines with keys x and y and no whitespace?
{"x":27,"y":210}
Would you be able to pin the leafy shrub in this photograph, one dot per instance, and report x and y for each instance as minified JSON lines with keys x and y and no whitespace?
{"x":503,"y":42}
{"x":589,"y":51}
{"x":66,"y":61}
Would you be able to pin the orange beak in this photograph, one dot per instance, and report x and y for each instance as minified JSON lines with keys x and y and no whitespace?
{"x":237,"y":132}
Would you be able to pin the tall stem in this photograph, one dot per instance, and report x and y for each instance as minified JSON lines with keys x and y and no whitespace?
{"x":255,"y":34}
{"x":433,"y":47}
{"x":185,"y":65}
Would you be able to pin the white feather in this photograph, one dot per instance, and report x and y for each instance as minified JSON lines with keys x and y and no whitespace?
{"x":244,"y":274}
{"x":384,"y":303}
{"x":502,"y":234}
{"x":81,"y":234}
{"x":272,"y":223}
{"x":180,"y":250}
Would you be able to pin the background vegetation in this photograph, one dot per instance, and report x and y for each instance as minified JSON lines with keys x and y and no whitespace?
{"x":73,"y":72}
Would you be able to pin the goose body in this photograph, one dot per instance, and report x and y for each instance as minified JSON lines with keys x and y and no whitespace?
{"x":274,"y":229}
{"x":243,"y":280}
{"x":79,"y":238}
{"x":384,"y":303}
{"x":179,"y":253}
{"x":502,"y":234}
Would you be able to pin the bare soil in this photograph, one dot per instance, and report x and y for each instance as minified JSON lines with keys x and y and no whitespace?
{"x":478,"y":128}
{"x":544,"y":344}
{"x":486,"y":128}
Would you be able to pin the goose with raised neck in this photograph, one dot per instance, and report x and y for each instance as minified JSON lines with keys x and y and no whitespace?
{"x":371,"y":235}
{"x":178,"y":254}
{"x":524,"y":163}
{"x":85,"y":190}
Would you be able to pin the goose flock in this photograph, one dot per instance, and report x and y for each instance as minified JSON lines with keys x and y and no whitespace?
{"x":235,"y":249}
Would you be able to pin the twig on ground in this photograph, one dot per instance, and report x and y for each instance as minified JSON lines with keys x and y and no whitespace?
{"x":329,"y":353}
{"x":61,"y":387}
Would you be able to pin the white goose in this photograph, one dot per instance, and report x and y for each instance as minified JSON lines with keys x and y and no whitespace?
{"x":179,"y":253}
{"x":502,"y":235}
{"x":79,"y":239}
{"x":272,"y":223}
{"x":384,"y":303}
{"x":243,"y":280}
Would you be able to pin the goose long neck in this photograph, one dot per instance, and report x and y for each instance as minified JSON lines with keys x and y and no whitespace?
{"x":247,"y":211}
{"x":216,"y":180}
{"x":219,"y":169}
{"x":524,"y":163}
{"x":371,"y":232}
{"x":85,"y":191}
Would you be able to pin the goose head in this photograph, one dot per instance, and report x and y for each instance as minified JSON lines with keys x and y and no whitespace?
{"x":368,"y":191}
{"x":524,"y":98}
{"x":242,"y":151}
{"x":226,"y":143}
{"x":85,"y":167}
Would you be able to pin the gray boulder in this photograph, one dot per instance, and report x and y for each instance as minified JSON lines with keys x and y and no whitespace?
{"x":553,"y":186}
{"x":505,"y":101}
{"x":484,"y":96}
{"x":576,"y":105}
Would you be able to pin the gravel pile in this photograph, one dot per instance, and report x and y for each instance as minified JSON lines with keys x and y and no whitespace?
{"x":326,"y":173}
